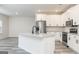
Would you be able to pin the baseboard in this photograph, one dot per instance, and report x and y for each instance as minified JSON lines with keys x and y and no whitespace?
{"x":12,"y":37}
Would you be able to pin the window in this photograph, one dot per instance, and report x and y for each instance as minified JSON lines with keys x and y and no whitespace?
{"x":0,"y":26}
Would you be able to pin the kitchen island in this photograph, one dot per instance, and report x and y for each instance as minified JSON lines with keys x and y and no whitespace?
{"x":37,"y":43}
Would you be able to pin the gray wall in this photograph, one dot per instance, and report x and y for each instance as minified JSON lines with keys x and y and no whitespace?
{"x":5,"y":26}
{"x":19,"y":25}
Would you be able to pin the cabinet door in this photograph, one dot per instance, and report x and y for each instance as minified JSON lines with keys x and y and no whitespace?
{"x":76,"y":44}
{"x":38,"y":17}
{"x":48,"y":21}
{"x":41,"y":17}
{"x":58,"y":36}
{"x":71,"y":41}
{"x":55,"y":20}
{"x":75,"y":22}
{"x":62,"y":23}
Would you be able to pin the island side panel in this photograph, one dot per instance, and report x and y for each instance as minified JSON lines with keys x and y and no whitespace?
{"x":37,"y":45}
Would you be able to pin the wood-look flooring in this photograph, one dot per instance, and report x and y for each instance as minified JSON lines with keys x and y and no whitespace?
{"x":10,"y":45}
{"x":60,"y":48}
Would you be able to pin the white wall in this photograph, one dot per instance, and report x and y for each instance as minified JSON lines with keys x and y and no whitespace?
{"x":72,"y":13}
{"x":19,"y":25}
{"x":5,"y":26}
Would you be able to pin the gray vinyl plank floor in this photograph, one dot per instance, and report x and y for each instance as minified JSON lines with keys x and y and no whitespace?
{"x":10,"y":45}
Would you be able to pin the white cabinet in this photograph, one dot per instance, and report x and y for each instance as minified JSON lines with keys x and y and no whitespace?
{"x":55,"y":20}
{"x":41,"y":17}
{"x":58,"y":36}
{"x":75,"y":21}
{"x":73,"y":42}
{"x":48,"y":21}
{"x":44,"y":17}
{"x":51,"y":20}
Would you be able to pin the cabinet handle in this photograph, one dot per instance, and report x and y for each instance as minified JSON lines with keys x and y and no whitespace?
{"x":69,"y":38}
{"x":76,"y":41}
{"x":74,"y":36}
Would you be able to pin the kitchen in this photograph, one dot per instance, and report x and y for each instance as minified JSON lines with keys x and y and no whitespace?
{"x":38,"y":28}
{"x":62,"y":29}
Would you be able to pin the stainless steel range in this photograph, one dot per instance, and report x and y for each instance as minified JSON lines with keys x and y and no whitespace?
{"x":64,"y":38}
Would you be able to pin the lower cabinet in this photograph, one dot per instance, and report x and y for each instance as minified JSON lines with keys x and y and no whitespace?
{"x":73,"y":42}
{"x":58,"y":36}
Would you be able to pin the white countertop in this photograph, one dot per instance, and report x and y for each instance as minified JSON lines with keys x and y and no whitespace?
{"x":41,"y":35}
{"x":73,"y":34}
{"x":37,"y":43}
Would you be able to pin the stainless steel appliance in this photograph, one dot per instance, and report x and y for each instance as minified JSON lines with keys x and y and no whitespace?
{"x":69,"y":23}
{"x":35,"y":29}
{"x":42,"y":26}
{"x":64,"y":38}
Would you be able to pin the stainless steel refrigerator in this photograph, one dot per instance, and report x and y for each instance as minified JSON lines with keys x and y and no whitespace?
{"x":42,"y":26}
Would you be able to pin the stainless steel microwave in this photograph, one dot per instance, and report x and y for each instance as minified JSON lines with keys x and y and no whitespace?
{"x":69,"y":23}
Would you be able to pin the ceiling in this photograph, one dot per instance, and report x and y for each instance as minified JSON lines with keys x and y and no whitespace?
{"x":31,"y":9}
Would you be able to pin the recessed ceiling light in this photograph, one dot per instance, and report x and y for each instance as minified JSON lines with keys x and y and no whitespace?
{"x":39,"y":10}
{"x":56,"y":10}
{"x":60,"y":4}
{"x":16,"y":13}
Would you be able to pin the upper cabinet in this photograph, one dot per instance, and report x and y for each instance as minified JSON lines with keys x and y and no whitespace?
{"x":60,"y":20}
{"x":51,"y":20}
{"x":55,"y":20}
{"x":73,"y":13}
{"x":41,"y":17}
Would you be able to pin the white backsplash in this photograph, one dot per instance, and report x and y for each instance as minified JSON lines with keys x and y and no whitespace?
{"x":55,"y":29}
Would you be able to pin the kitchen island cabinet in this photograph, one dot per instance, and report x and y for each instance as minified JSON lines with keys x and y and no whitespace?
{"x":37,"y":43}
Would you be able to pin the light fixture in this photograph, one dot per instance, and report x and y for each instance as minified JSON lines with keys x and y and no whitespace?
{"x":56,"y":10}
{"x":39,"y":11}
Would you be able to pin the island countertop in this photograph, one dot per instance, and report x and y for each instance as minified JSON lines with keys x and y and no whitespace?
{"x":41,"y":35}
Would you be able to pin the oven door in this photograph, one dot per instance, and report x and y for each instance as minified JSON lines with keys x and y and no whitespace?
{"x":64,"y":37}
